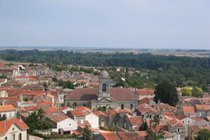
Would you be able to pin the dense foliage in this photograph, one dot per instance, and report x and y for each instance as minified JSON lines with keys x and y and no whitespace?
{"x":165,"y":92}
{"x":36,"y":121}
{"x":86,"y":133}
{"x":182,"y":71}
{"x":204,"y":134}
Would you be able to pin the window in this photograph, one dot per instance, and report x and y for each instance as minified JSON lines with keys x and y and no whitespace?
{"x":104,"y":87}
{"x":13,"y":136}
{"x":20,"y":136}
{"x":131,"y":106}
{"x":122,"y":106}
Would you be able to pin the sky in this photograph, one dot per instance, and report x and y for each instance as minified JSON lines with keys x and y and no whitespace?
{"x":183,"y":24}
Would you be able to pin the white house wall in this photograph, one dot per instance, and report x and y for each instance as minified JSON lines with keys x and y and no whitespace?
{"x":93,"y":120}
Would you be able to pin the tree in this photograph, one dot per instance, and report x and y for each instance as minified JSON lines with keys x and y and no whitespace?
{"x":143,"y":127}
{"x":186,"y":91}
{"x":154,"y":132}
{"x":203,"y":134}
{"x":3,"y":117}
{"x":153,"y":136}
{"x":197,"y":92}
{"x":35,"y":121}
{"x":86,"y":133}
{"x":41,"y":113}
{"x":166,"y":93}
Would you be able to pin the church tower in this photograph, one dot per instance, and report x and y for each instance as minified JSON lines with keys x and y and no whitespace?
{"x":104,"y":86}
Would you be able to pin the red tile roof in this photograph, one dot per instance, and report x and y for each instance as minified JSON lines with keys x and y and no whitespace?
{"x":32,"y":108}
{"x":6,"y":124}
{"x":198,"y":119}
{"x":13,"y":92}
{"x":109,"y":136}
{"x":202,"y":107}
{"x":130,"y":136}
{"x":118,"y":94}
{"x":56,"y":117}
{"x":188,"y":109}
{"x":145,"y":91}
{"x":7,"y":108}
{"x":81,"y":111}
{"x":100,"y":113}
{"x":137,"y":120}
{"x":175,"y":122}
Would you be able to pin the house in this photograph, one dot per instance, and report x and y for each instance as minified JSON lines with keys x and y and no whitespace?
{"x":189,"y":111}
{"x":203,"y":110}
{"x":13,"y":129}
{"x":66,"y":109}
{"x":168,"y":135}
{"x":84,"y":115}
{"x":117,"y":117}
{"x":27,"y":79}
{"x":187,"y":121}
{"x":8,"y":110}
{"x":103,"y":118}
{"x":133,"y":123}
{"x":61,"y":123}
{"x":146,"y":111}
{"x":193,"y":131}
{"x":200,"y":121}
{"x":177,"y":127}
{"x":161,"y":107}
{"x":145,"y":93}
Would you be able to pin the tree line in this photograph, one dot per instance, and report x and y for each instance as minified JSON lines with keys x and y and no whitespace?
{"x":182,"y":71}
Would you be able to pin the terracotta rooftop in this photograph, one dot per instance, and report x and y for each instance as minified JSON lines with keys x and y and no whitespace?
{"x":202,"y":107}
{"x":56,"y":117}
{"x":13,"y":92}
{"x":198,"y":119}
{"x":100,"y":113}
{"x":145,"y":91}
{"x":87,"y":94}
{"x":137,"y":120}
{"x":109,"y":136}
{"x":7,"y":108}
{"x":6,"y":124}
{"x":80,"y":111}
{"x":188,"y":109}
{"x":32,"y":108}
{"x":130,"y":136}
{"x":175,"y":122}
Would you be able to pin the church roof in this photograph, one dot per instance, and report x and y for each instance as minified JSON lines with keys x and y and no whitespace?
{"x":88,"y":94}
{"x":104,"y":74}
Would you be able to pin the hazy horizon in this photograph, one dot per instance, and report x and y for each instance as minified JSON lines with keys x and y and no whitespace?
{"x":140,"y":24}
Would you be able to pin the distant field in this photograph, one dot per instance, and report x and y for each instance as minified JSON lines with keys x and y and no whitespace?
{"x":167,"y":52}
